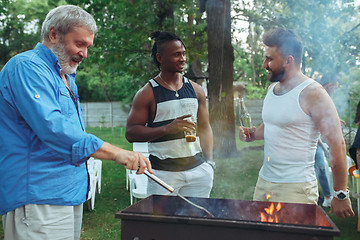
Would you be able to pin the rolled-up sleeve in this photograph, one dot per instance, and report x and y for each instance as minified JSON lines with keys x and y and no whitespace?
{"x":84,"y":148}
{"x":47,"y":110}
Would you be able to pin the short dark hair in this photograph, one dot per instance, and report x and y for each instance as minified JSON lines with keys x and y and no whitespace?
{"x":329,"y":77}
{"x":287,"y":41}
{"x":160,"y":38}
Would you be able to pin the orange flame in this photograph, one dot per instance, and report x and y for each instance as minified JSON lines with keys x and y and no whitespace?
{"x":269,"y":214}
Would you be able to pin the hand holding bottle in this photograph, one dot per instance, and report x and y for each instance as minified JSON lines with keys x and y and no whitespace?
{"x":247,"y":134}
{"x":246,"y":128}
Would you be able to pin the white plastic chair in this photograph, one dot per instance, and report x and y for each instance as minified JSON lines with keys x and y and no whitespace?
{"x":98,"y":169}
{"x":94,"y":170}
{"x":330,"y":176}
{"x":137,"y":182}
{"x":137,"y":147}
{"x":138,"y":187}
{"x":355,"y":184}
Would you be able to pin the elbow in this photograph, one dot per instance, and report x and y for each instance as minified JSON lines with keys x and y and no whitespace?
{"x":129,"y":137}
{"x":130,"y":140}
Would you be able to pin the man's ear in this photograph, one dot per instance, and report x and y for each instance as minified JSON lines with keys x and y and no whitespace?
{"x":289,"y":59}
{"x":53,"y":36}
{"x":158,"y":57}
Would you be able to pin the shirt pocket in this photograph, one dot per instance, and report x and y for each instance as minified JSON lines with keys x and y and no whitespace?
{"x":66,"y":103}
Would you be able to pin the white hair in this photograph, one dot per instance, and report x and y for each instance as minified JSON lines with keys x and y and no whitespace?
{"x":64,"y":18}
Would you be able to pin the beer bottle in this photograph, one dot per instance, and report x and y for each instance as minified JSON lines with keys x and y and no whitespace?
{"x":245,"y":117}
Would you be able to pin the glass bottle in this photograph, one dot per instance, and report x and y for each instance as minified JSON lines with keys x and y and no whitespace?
{"x":245,"y":117}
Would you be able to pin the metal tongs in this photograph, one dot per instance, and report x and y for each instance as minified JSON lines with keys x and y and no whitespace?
{"x":171,"y":189}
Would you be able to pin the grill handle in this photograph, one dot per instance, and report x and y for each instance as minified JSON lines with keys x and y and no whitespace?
{"x":159,"y":181}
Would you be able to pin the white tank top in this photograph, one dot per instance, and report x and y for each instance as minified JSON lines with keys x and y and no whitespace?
{"x":290,"y":138}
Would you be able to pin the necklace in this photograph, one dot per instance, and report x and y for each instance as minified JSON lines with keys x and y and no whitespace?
{"x":176,"y":92}
{"x":67,"y":85}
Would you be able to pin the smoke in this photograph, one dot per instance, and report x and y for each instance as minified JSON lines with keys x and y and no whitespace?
{"x":341,"y":101}
{"x":235,"y":177}
{"x":330,"y":33}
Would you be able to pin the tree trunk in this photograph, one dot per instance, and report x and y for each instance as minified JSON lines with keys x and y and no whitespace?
{"x":252,"y":56}
{"x":165,"y":10}
{"x":221,"y":58}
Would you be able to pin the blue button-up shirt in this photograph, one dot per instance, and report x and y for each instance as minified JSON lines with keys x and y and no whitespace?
{"x":43,"y":143}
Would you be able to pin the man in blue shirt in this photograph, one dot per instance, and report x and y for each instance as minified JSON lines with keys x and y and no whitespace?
{"x":43,"y":143}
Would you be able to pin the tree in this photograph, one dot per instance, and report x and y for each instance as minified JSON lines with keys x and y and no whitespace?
{"x":330,"y":33}
{"x":329,"y":30}
{"x":20,"y":25}
{"x":249,"y":54}
{"x":197,"y":39}
{"x":120,"y":61}
{"x":221,"y":99}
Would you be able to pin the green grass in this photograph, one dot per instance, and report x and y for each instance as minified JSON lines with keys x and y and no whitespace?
{"x":101,"y":223}
{"x":235,"y":178}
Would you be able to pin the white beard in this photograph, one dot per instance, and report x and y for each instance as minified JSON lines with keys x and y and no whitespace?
{"x":64,"y":58}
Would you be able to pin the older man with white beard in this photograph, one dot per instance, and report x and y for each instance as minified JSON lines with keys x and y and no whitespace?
{"x":43,"y":143}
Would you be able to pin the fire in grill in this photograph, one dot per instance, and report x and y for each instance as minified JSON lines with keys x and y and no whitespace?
{"x":170,"y":217}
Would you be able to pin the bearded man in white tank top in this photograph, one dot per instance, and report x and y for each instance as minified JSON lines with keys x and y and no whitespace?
{"x":296,"y":111}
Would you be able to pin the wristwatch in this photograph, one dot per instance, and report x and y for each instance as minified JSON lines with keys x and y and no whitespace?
{"x":342,"y":195}
{"x":212,"y":164}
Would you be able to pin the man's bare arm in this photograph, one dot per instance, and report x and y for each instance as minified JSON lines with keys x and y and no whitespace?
{"x":130,"y":160}
{"x":317,"y":103}
{"x":203,"y":124}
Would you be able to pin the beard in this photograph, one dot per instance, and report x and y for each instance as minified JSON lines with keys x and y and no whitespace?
{"x":64,"y":58}
{"x":275,"y":76}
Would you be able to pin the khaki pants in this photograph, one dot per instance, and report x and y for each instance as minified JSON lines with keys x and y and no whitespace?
{"x":43,"y":222}
{"x":305,"y":192}
{"x":195,"y":182}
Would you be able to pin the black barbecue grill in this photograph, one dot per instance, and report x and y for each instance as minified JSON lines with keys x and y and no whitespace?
{"x":171,"y":218}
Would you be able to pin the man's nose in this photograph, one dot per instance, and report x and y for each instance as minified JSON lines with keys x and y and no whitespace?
{"x":183,"y":57}
{"x":83,"y":52}
{"x":265,"y":64}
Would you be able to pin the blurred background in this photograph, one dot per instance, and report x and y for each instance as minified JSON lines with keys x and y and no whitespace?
{"x":224,"y":50}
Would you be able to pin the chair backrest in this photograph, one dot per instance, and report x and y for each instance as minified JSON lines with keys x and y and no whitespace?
{"x":140,"y":190}
{"x":137,"y":184}
{"x":349,"y":161}
{"x":141,"y":147}
{"x":91,"y":165}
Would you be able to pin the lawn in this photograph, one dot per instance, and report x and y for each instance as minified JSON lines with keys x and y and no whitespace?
{"x":235,"y":178}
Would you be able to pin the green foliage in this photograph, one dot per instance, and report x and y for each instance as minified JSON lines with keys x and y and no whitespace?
{"x":255,"y":92}
{"x":242,"y":65}
{"x":243,"y":72}
{"x":119,"y":63}
{"x":347,"y":95}
{"x":20,"y":25}
{"x":325,"y":27}
{"x":329,"y":30}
